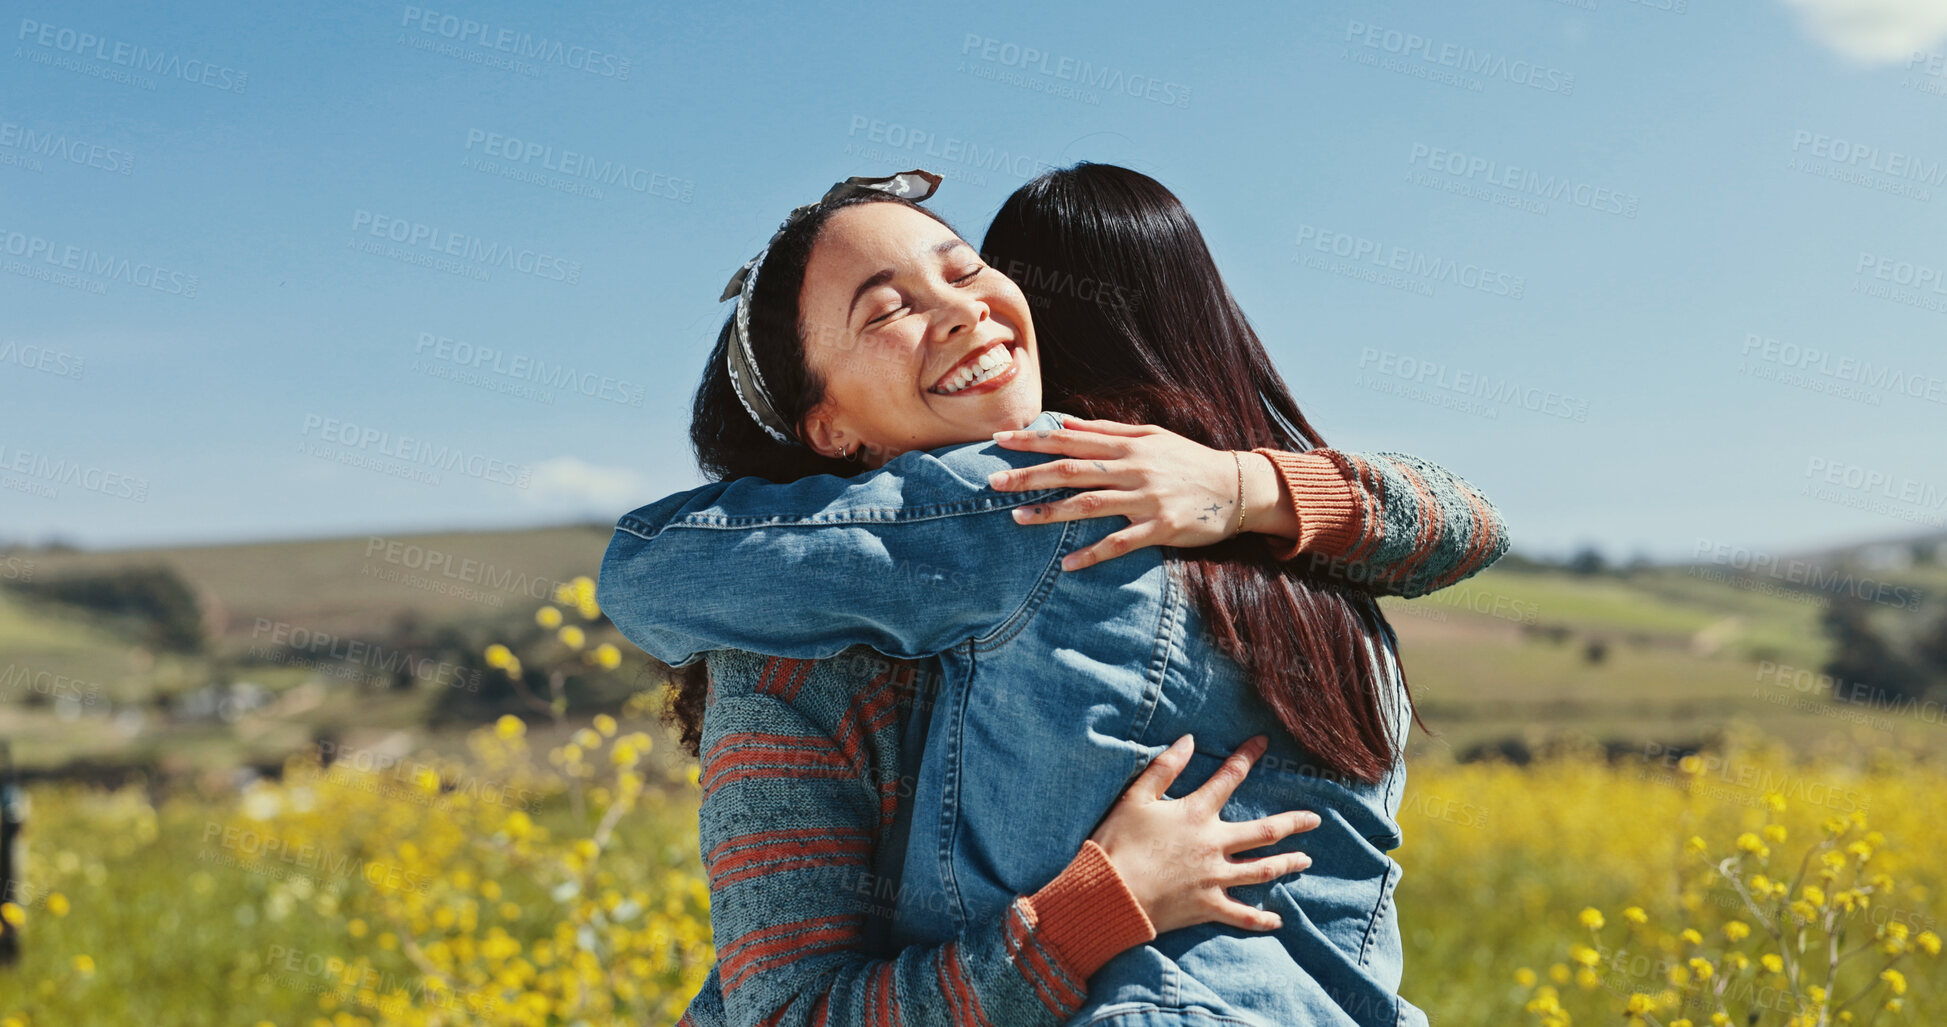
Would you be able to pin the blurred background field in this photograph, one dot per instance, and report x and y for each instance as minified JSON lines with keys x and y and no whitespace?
{"x":421,"y":780}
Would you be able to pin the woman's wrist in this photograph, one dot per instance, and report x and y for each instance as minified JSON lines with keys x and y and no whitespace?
{"x":1268,"y":509}
{"x":1088,"y":914}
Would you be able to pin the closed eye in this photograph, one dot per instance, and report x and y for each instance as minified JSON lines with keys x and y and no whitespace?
{"x":962,"y":280}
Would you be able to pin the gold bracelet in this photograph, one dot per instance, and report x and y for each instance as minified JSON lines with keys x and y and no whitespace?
{"x":1239,"y":461}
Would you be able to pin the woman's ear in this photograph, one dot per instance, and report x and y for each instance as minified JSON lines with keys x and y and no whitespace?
{"x":823,"y":435}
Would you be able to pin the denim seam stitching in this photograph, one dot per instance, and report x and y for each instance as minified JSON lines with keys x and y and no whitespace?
{"x":867,"y":515}
{"x":1044,"y":586}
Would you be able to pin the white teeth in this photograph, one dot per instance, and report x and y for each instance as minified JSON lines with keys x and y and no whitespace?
{"x":983,"y":367}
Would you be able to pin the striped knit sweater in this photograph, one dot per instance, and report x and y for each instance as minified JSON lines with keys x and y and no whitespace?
{"x":801,"y":782}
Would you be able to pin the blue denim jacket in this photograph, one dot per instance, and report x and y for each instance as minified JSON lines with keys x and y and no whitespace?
{"x":1056,"y":688}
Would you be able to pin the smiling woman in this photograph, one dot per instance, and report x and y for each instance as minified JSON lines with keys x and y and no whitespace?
{"x":939,"y":318}
{"x":862,"y":331}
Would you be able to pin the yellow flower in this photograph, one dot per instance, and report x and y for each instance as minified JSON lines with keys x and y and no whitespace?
{"x":1702,"y":968}
{"x":1639,"y":1004}
{"x":1929,"y":943}
{"x":499,"y":655}
{"x":1592,"y":918}
{"x":83,"y":964}
{"x":509,"y":727}
{"x":1736,"y":931}
{"x":1525,"y":977}
{"x":1691,"y":935}
{"x":607,"y":656}
{"x":57,"y":904}
{"x":1774,"y":801}
{"x":1894,"y":980}
{"x":356,"y":927}
{"x":1635,"y":915}
{"x":1750,"y":842}
{"x":12,"y":913}
{"x":572,"y":636}
{"x":548,"y":617}
{"x":1695,"y":846}
{"x":1774,"y":833}
{"x":1584,"y":955}
{"x":1772,"y":962}
{"x":1814,"y":895}
{"x":605,"y":723}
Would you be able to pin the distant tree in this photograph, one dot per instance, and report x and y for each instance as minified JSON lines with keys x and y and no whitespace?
{"x":1586,"y":561}
{"x":154,"y":593}
{"x":1860,"y":655}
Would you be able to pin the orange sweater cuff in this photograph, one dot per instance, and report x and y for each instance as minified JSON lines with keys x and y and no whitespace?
{"x":1322,"y":494}
{"x":1087,"y":916}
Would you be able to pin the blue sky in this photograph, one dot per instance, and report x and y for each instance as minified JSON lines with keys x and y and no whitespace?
{"x":1647,"y":272}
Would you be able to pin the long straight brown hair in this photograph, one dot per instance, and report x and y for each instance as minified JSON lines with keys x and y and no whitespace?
{"x":1137,"y":325}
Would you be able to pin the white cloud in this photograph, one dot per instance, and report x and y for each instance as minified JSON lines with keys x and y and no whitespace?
{"x":1874,"y":31}
{"x":573,"y":482}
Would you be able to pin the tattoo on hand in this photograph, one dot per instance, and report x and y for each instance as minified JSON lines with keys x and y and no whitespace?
{"x":1100,"y":466}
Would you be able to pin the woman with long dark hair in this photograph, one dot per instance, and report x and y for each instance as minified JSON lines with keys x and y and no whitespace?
{"x":873,"y":331}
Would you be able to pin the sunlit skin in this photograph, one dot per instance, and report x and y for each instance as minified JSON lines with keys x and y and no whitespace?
{"x":892,"y":302}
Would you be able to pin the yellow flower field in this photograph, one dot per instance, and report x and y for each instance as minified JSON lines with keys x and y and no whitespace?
{"x":1568,"y":891}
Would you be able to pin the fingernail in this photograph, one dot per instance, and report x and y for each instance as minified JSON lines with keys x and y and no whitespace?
{"x":1020,"y":515}
{"x":996,"y":478}
{"x":1304,"y":862}
{"x":1276,"y":922}
{"x":1068,"y":563}
{"x":1185,"y":741}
